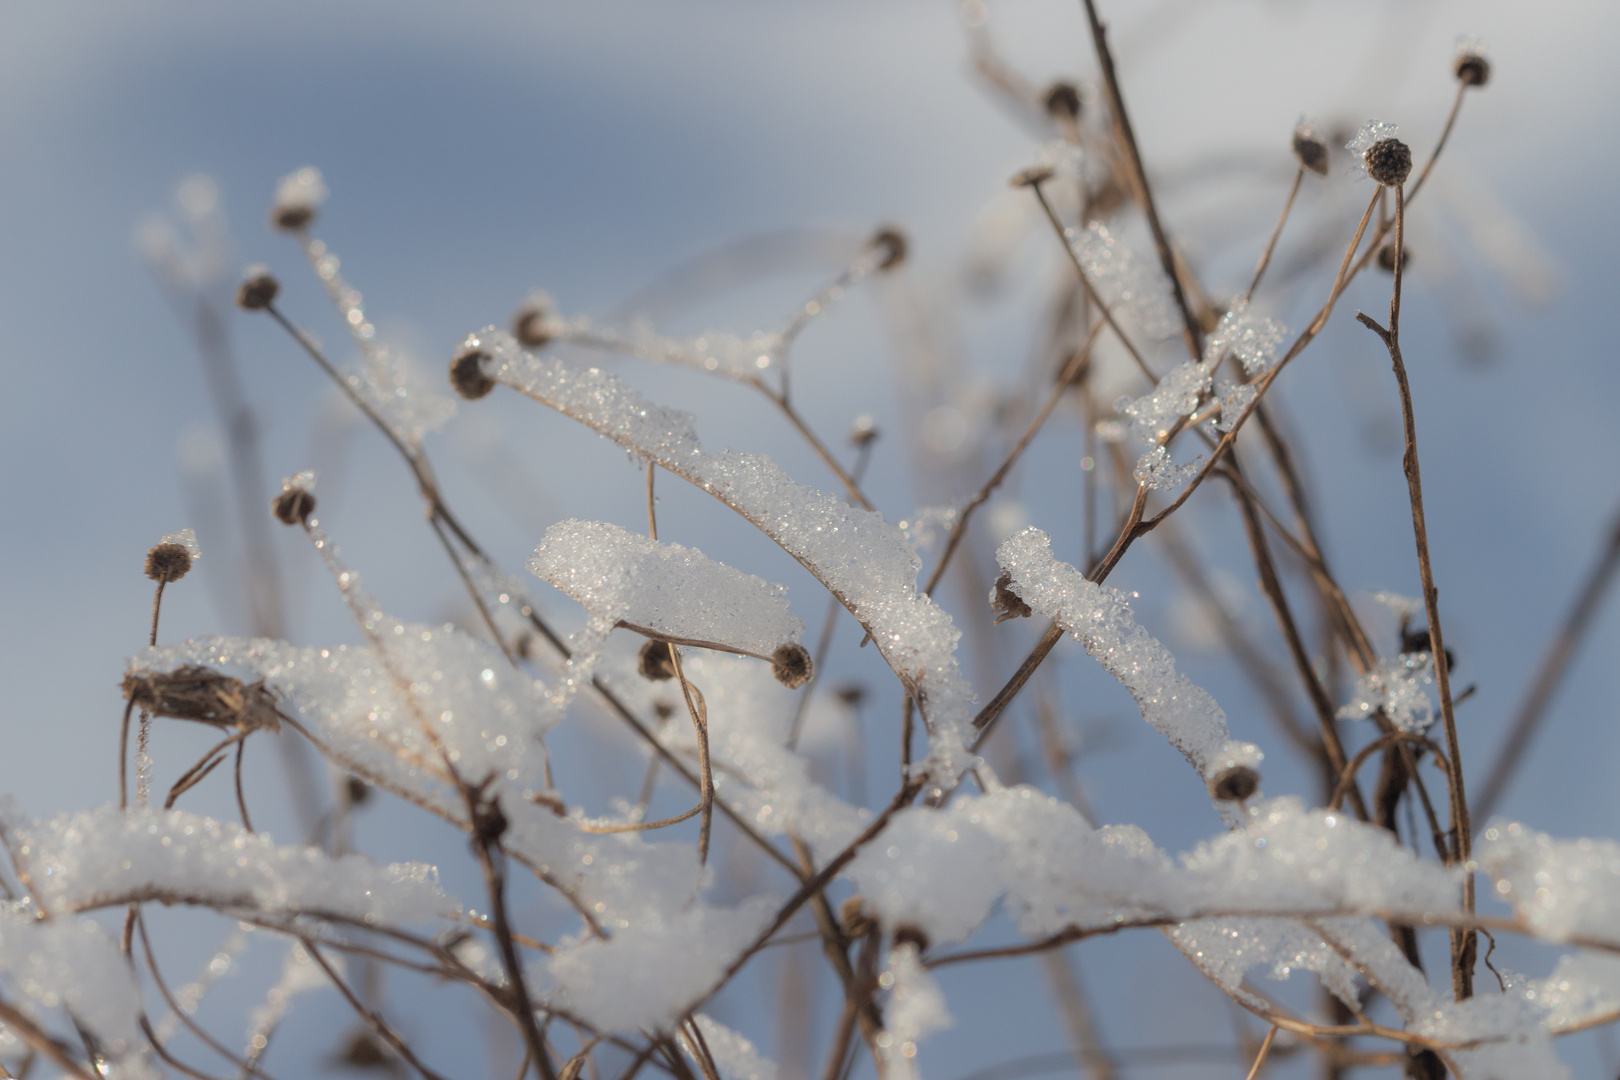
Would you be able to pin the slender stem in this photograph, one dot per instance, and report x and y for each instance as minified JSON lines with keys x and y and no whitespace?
{"x":157,"y":606}
{"x":241,"y":799}
{"x":1133,"y":158}
{"x":1271,"y":244}
{"x":1265,"y":1048}
{"x":700,"y":724}
{"x":1073,"y":370}
{"x":1554,"y":664}
{"x":376,"y":1023}
{"x":1464,"y":942}
{"x":1085,"y":283}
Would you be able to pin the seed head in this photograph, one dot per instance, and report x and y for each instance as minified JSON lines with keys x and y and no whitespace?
{"x":258,"y":289}
{"x":1471,"y":67}
{"x":168,"y":563}
{"x":851,"y":694}
{"x":1234,"y":784}
{"x":864,"y":431}
{"x":1386,"y":258}
{"x":911,"y":935}
{"x":293,"y":506}
{"x":357,"y":790}
{"x":1030,"y":177}
{"x":467,"y":374}
{"x":529,"y":322}
{"x":654,"y":663}
{"x":1006,"y":603}
{"x":1063,"y":101}
{"x":791,"y":665}
{"x":1310,"y":148}
{"x":1389,"y":161}
{"x":298,"y":196}
{"x":892,"y":243}
{"x":852,"y":916}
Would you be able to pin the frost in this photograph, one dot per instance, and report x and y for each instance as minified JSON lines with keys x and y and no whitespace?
{"x":916,"y":1008}
{"x":1159,"y":471}
{"x":187,"y":539}
{"x":1563,"y":889}
{"x":866,"y":562}
{"x":1101,"y":619}
{"x":1400,"y":687}
{"x":299,"y":975}
{"x":299,"y":193}
{"x":106,"y":856}
{"x":1226,"y":950}
{"x":399,"y":391}
{"x":714,"y":351}
{"x":662,"y":589}
{"x":1251,"y":339}
{"x":650,"y":974}
{"x":73,"y":963}
{"x":1370,"y":134}
{"x":934,"y":870}
{"x":734,"y":1055}
{"x":1125,"y":279}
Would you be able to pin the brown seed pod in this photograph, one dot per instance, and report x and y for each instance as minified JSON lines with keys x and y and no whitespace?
{"x":529,"y":324}
{"x":293,"y":506}
{"x":1311,"y":151}
{"x":851,"y":694}
{"x":1389,"y":161}
{"x":892,"y":242}
{"x":911,"y":935}
{"x":1063,"y":101}
{"x":258,"y":289}
{"x":1234,"y":784}
{"x":852,"y":916}
{"x":1386,"y":258}
{"x":791,"y":665}
{"x":654,"y":663}
{"x":1006,"y":603}
{"x":1472,"y":69}
{"x":1030,"y":177}
{"x":291,"y":218}
{"x":204,"y":696}
{"x":467,"y":374}
{"x":167,"y":563}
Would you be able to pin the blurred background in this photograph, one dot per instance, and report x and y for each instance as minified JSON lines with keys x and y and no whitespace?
{"x":478,"y":151}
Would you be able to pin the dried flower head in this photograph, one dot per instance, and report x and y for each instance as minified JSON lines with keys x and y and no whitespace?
{"x":851,"y":694}
{"x":529,"y":321}
{"x":654,"y":662}
{"x":1379,"y":154}
{"x":1386,"y":258}
{"x":258,"y":289}
{"x":864,"y":431}
{"x":1234,"y":784}
{"x":293,"y":506}
{"x":204,"y":696}
{"x":357,"y":790}
{"x":298,"y":196}
{"x":791,"y":665}
{"x":167,"y":563}
{"x":1471,"y":67}
{"x":1032,"y":176}
{"x":892,"y":243}
{"x":467,"y":374}
{"x":1063,"y":101}
{"x":1006,"y":603}
{"x":911,"y":935}
{"x":1310,"y":148}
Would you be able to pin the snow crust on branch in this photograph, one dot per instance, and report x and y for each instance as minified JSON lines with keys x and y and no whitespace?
{"x":1099,"y":616}
{"x":734,"y":1054}
{"x":862,"y":559}
{"x":73,"y":963}
{"x":105,"y":856}
{"x":627,"y":579}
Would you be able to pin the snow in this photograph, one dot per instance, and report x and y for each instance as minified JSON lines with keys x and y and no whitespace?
{"x":1100,"y":617}
{"x":1563,"y":889}
{"x":72,"y":962}
{"x":862,"y":559}
{"x":1125,"y":280}
{"x":187,"y":539}
{"x":1400,"y":687}
{"x":916,"y":1008}
{"x":1367,"y":136}
{"x":299,"y":192}
{"x":734,"y":1055}
{"x":626,"y":579}
{"x":102,"y":857}
{"x":648,"y":975}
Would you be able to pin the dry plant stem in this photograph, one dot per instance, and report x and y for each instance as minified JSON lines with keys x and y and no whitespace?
{"x":42,"y":1043}
{"x":1073,"y":370}
{"x":492,"y":861}
{"x":1271,"y":586}
{"x":858,"y":989}
{"x":184,"y":1016}
{"x":1271,"y":244}
{"x":700,"y":725}
{"x":1271,"y":1035}
{"x":1554,"y":664}
{"x":1384,"y":742}
{"x":1133,"y":158}
{"x":169,"y":1059}
{"x":1085,"y":283}
{"x":241,"y":799}
{"x":376,"y":1023}
{"x":123,"y":758}
{"x":851,"y":485}
{"x":1463,"y":942}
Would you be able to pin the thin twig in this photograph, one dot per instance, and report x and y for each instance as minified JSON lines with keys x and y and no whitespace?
{"x":1265,"y":1047}
{"x":1271,"y":244}
{"x":376,"y":1023}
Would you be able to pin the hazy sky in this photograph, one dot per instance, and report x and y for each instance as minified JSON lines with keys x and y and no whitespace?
{"x":477,"y":151}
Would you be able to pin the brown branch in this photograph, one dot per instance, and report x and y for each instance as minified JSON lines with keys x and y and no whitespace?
{"x":1271,"y":244}
{"x":1133,"y":157}
{"x":376,"y":1023}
